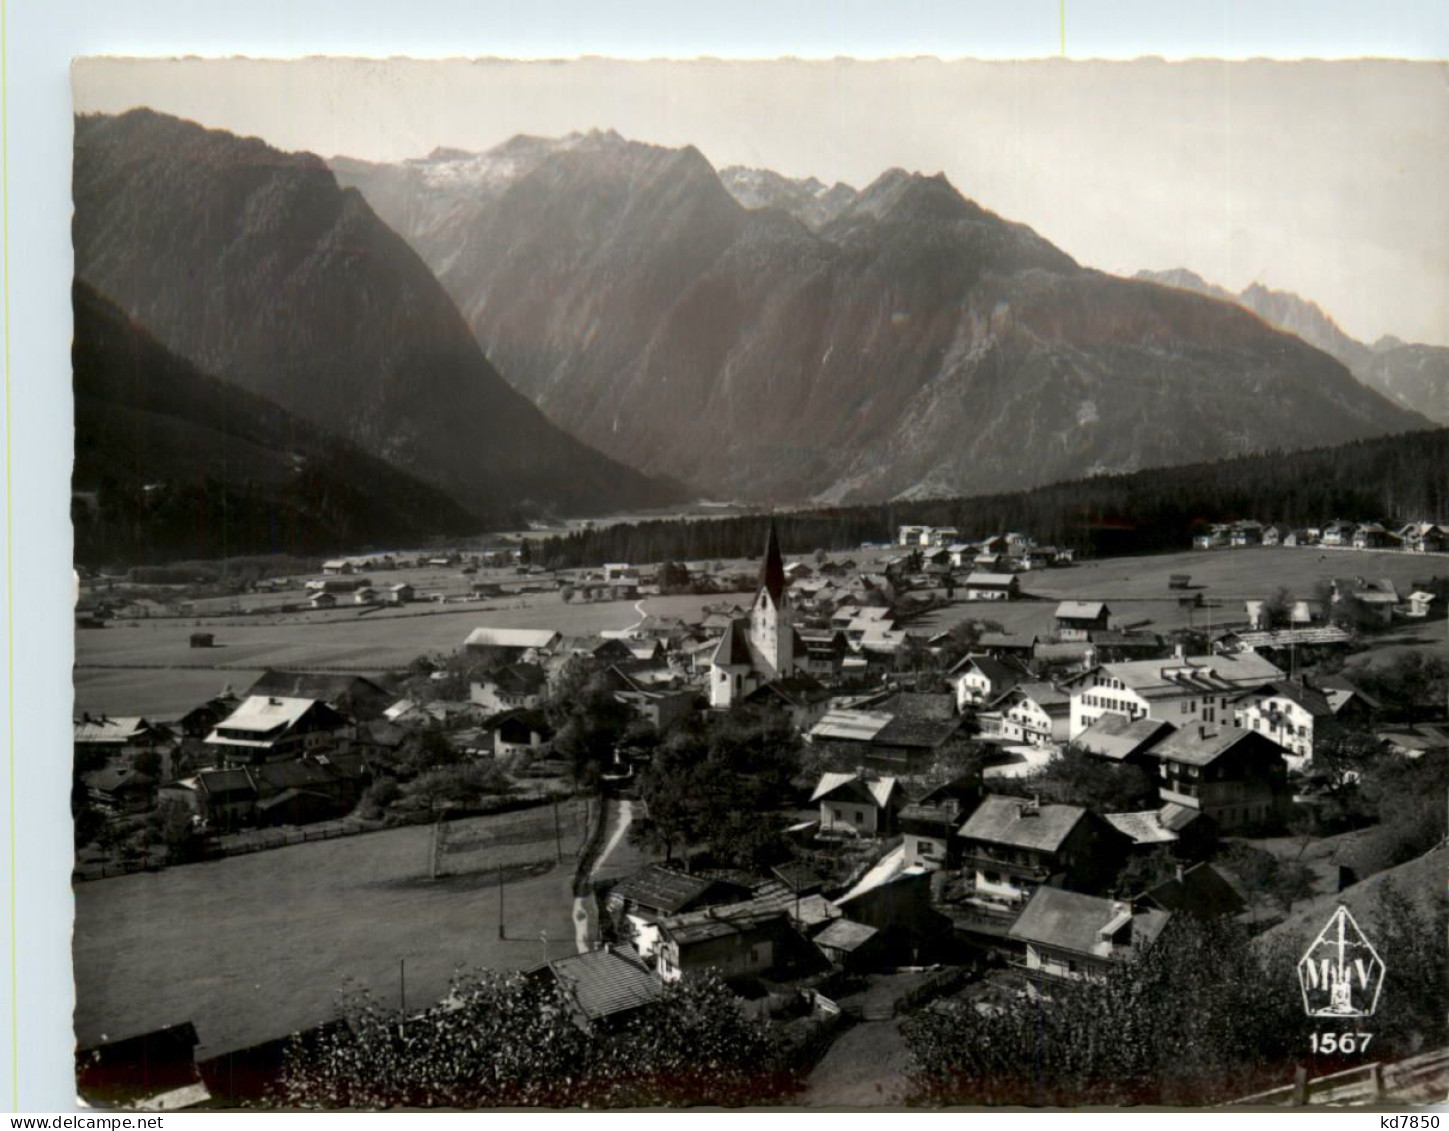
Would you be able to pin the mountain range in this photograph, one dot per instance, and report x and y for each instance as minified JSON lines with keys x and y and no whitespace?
{"x":779,"y":340}
{"x":257,"y":268}
{"x":179,"y":463}
{"x":1413,"y":375}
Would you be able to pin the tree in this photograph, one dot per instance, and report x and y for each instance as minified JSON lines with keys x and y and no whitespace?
{"x":147,"y":762}
{"x":1075,"y":777}
{"x":1277,"y":610}
{"x":457,"y":785}
{"x":170,"y":824}
{"x":1198,"y":1017}
{"x":509,"y":1040}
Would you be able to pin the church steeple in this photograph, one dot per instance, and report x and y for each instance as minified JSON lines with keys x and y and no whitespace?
{"x":772,"y":569}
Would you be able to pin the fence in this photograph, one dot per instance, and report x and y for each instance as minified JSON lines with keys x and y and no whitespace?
{"x":1422,"y":1078}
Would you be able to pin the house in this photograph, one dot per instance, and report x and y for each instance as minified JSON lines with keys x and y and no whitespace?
{"x":801,"y":696}
{"x":978,"y":679}
{"x":859,"y":805}
{"x":759,"y":649}
{"x":100,"y":738}
{"x":270,"y":728}
{"x":739,"y":945}
{"x":337,"y":567}
{"x":300,"y":792}
{"x":1069,"y":936}
{"x":992,"y":587}
{"x":1236,"y":776}
{"x":928,"y":824}
{"x":1370,"y":536}
{"x":1274,"y":534}
{"x":824,"y":651}
{"x":1424,"y":538}
{"x":603,"y":986}
{"x":199,"y":721}
{"x":852,"y":946}
{"x":1123,"y":740}
{"x":1338,"y":533}
{"x":1182,"y":689}
{"x":323,"y":600}
{"x":1374,"y":597}
{"x":354,"y":695}
{"x":1003,"y":645}
{"x":510,"y":645}
{"x":1035,"y":712}
{"x":518,"y":730}
{"x":1013,"y":846}
{"x":400,"y":594}
{"x":223,"y":798}
{"x":895,"y":900}
{"x":120,"y":789}
{"x":1077,"y":620}
{"x":1246,"y":534}
{"x":517,"y":685}
{"x":1289,"y":712}
{"x":637,"y":903}
{"x":1303,"y":536}
{"x":1187,"y":833}
{"x":1200,"y":891}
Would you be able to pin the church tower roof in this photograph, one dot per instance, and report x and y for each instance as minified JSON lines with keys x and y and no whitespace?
{"x":772,"y":569}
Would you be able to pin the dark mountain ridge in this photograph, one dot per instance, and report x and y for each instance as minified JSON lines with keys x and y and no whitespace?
{"x":180,"y":464}
{"x":910,"y":345}
{"x":257,"y":267}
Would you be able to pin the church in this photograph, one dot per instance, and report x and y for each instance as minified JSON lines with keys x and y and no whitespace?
{"x":755,"y":659}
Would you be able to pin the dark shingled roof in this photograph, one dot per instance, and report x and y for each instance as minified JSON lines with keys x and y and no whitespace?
{"x":1200,"y":890}
{"x":925,"y":734}
{"x":607,"y":981}
{"x":661,"y":889}
{"x":1202,"y":745}
{"x":1000,"y":820}
{"x":1117,"y":737}
{"x":1069,"y":920}
{"x":734,"y":646}
{"x":919,"y":705}
{"x":846,"y":935}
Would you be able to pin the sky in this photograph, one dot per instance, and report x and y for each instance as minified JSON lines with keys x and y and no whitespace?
{"x":1322,"y":178}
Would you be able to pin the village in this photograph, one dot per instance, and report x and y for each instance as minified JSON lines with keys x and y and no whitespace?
{"x":853,"y":785}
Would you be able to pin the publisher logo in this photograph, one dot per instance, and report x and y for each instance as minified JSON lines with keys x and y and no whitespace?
{"x":1341,"y":974}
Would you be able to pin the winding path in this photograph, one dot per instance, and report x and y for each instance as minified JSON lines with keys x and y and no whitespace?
{"x":618,"y":816}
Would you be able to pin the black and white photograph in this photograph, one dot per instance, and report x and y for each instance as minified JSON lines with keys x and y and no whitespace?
{"x":798,"y":584}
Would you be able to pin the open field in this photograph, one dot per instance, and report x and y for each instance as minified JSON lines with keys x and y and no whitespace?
{"x":1136,"y":588}
{"x":253,"y":947}
{"x":148,"y":666}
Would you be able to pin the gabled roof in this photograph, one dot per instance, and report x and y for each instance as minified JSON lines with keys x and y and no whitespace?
{"x":851,"y":726}
{"x":264,"y":714}
{"x":1200,"y":890}
{"x":1018,"y":823}
{"x":1193,"y":675}
{"x":925,"y":733}
{"x":223,"y":783}
{"x":105,"y":730}
{"x":114,"y":779}
{"x":1312,"y":700}
{"x":877,"y":791}
{"x":1117,"y":737}
{"x":606,"y":981}
{"x":1069,"y":920}
{"x":1080,"y":610}
{"x":1203,"y":745}
{"x":1142,"y":827}
{"x":983,"y":580}
{"x":846,"y":935}
{"x":1000,"y":674}
{"x":1045,"y":695}
{"x":663,"y":889}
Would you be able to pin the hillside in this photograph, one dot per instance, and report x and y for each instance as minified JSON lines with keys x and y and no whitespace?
{"x":909,"y":344}
{"x":1401,"y":477}
{"x":1414,"y":376}
{"x":185,"y":465}
{"x":255,"y":266}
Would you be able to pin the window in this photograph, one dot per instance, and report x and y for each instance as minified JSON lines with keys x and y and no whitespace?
{"x":835,"y":813}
